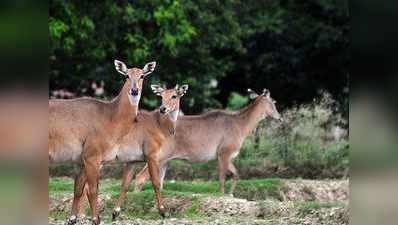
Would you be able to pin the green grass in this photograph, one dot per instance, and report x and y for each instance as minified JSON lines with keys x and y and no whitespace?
{"x":250,"y":189}
{"x":181,"y":199}
{"x":268,"y":187}
{"x":141,"y":205}
{"x":306,"y":207}
{"x":60,"y":185}
{"x":318,"y":205}
{"x":193,"y":210}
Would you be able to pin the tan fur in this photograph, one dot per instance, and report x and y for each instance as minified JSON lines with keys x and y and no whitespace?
{"x":85,"y":130}
{"x":142,"y":142}
{"x":214,"y":135}
{"x":72,"y":123}
{"x":79,"y":133}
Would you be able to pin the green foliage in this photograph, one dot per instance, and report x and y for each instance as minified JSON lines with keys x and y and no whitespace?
{"x":60,"y":184}
{"x":141,"y":204}
{"x":193,"y":210}
{"x":57,"y":28}
{"x":237,"y":101}
{"x":310,"y":141}
{"x":294,"y":48}
{"x":259,"y":189}
{"x":305,"y":206}
{"x":61,"y":170}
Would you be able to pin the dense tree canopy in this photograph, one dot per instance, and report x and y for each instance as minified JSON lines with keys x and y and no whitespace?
{"x":295,"y":48}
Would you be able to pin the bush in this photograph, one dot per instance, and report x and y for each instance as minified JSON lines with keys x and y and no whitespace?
{"x":311,"y":142}
{"x":237,"y":101}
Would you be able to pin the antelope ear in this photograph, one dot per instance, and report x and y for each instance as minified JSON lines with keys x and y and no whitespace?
{"x":149,"y":68}
{"x":183,"y":89}
{"x":266,"y":93}
{"x":120,"y":67}
{"x":157,"y":89}
{"x":252,"y":94}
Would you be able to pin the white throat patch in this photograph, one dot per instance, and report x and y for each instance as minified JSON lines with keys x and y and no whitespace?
{"x":134,"y":100}
{"x":174,"y":115}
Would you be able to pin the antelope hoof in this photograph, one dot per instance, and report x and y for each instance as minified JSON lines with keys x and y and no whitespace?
{"x":115,"y":215}
{"x":72,"y":220}
{"x":163,"y":211}
{"x":96,"y":221}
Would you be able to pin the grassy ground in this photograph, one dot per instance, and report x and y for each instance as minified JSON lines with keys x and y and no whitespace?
{"x":267,"y":201}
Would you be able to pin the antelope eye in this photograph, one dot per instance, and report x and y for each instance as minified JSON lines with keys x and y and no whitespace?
{"x":142,"y":77}
{"x":174,"y":96}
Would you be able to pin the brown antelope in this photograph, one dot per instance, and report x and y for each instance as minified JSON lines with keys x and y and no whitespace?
{"x":214,"y":135}
{"x":84,"y":130}
{"x":147,"y":137}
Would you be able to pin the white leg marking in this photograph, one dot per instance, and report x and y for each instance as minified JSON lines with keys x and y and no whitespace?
{"x":73,"y":217}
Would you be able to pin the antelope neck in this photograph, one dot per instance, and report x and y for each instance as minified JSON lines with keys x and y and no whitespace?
{"x":166,"y":122}
{"x":250,"y":116}
{"x":123,"y":109}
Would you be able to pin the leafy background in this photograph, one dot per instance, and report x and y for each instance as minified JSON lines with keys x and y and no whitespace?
{"x":295,"y":48}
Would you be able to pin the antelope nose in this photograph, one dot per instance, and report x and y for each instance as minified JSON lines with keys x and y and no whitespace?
{"x":162,"y":109}
{"x":134,"y":92}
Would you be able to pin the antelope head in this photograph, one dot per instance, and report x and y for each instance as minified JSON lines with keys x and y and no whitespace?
{"x":170,"y":99}
{"x":269,"y":103}
{"x":135,"y":77}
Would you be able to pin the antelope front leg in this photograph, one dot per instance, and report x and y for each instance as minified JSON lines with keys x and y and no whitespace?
{"x":126,"y":180}
{"x":141,"y":177}
{"x":154,"y":171}
{"x":235,"y":177}
{"x":80,"y":181}
{"x":92,"y":168}
{"x":222,"y":167}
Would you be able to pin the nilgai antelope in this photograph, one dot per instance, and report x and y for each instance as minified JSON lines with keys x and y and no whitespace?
{"x":146,"y":138}
{"x":143,"y":141}
{"x":84,"y":130}
{"x":214,"y":135}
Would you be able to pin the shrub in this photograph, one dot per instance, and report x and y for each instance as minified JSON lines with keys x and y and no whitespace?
{"x":310,"y":142}
{"x":237,"y":101}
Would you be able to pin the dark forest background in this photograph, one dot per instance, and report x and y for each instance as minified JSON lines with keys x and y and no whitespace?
{"x":295,"y":48}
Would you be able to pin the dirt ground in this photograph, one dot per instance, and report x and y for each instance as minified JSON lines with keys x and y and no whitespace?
{"x":301,"y":202}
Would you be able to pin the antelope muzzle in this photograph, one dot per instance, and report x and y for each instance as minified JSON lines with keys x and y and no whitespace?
{"x":162,"y":109}
{"x":134,"y":92}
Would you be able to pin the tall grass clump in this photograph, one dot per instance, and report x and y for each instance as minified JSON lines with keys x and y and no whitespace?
{"x":311,"y":142}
